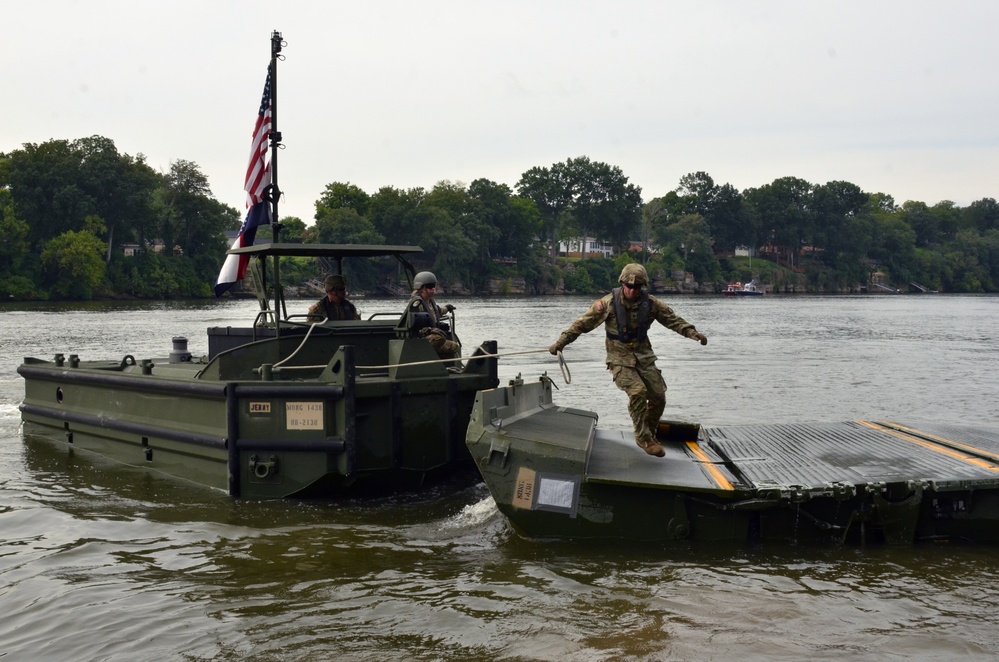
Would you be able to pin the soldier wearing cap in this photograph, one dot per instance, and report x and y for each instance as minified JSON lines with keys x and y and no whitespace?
{"x":333,"y":306}
{"x":422,"y":301}
{"x":627,"y":313}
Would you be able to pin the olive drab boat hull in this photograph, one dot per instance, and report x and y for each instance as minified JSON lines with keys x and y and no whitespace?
{"x":554,"y":474}
{"x":276,"y":409}
{"x":286,"y":406}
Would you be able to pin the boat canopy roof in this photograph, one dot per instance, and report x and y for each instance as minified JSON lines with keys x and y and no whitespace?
{"x":335,"y":251}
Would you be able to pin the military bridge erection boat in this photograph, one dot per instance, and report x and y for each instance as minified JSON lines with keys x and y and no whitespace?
{"x":282,"y":407}
{"x":554,"y":474}
{"x":286,"y":406}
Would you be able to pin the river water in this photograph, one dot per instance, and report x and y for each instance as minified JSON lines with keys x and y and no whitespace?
{"x":100,"y":561}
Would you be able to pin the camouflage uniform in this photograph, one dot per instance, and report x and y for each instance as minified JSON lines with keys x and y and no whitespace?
{"x":438,"y":339}
{"x":630,"y":358}
{"x":326,"y":309}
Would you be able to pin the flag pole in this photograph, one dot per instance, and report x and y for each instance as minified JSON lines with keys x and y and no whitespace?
{"x":275,"y":193}
{"x":275,"y":190}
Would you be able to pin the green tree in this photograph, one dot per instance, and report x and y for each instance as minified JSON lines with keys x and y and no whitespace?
{"x":57,"y":184}
{"x":925,"y":224}
{"x":399,"y":215}
{"x":17,"y":263}
{"x":343,"y":195}
{"x":583,"y":198}
{"x":894,"y":247}
{"x":74,"y":263}
{"x":551,"y":190}
{"x":604,"y":204}
{"x":722,"y":207}
{"x":514,"y":221}
{"x":45,"y":186}
{"x":948,"y":219}
{"x":841,"y":226}
{"x":119,"y":187}
{"x":690,"y":238}
{"x":729,"y":220}
{"x":654,"y":213}
{"x":781,"y":214}
{"x":343,"y":226}
{"x":194,"y":220}
{"x":981,"y":215}
{"x":293,"y":231}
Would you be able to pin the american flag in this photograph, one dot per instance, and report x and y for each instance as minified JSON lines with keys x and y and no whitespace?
{"x":258,"y":178}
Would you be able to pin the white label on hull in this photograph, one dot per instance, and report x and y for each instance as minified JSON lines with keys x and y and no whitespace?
{"x":556,"y":493}
{"x":546,"y":491}
{"x":304,"y":415}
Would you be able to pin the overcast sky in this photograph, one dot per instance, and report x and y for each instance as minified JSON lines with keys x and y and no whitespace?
{"x":899,"y":97}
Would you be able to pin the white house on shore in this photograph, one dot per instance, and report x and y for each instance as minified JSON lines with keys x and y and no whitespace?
{"x":594,"y":248}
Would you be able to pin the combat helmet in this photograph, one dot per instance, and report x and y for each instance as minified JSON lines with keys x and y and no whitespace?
{"x":424,"y":278}
{"x":633,"y":274}
{"x":336,"y":280}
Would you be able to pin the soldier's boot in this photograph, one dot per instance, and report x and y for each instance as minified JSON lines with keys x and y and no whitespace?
{"x":651,"y":446}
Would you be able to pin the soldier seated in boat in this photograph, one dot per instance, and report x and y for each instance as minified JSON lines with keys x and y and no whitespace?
{"x":333,"y":306}
{"x":627,"y":313}
{"x":435,"y":328}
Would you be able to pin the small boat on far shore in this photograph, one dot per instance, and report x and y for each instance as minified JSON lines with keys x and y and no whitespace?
{"x":739,"y":290}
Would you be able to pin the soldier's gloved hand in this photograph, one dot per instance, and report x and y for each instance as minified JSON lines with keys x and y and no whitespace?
{"x":699,"y":337}
{"x":448,"y":308}
{"x":555,"y":348}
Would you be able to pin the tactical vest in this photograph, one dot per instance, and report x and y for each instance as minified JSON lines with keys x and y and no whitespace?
{"x":344,"y":311}
{"x":430,"y":307}
{"x":624,"y":334}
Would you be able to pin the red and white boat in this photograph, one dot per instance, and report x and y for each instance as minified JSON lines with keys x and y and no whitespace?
{"x":739,"y":290}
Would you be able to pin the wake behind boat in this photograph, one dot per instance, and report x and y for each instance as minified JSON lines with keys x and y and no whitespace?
{"x":554,"y":474}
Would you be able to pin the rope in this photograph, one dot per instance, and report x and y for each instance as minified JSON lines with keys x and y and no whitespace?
{"x":469,"y":358}
{"x":399,"y":365}
{"x":566,"y":375}
{"x":561,"y":361}
{"x":300,"y":346}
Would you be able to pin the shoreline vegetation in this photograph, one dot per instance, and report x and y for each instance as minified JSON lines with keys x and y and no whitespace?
{"x":82,"y":221}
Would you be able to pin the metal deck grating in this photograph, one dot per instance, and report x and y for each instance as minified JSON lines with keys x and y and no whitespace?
{"x":617,"y":459}
{"x":815,"y":455}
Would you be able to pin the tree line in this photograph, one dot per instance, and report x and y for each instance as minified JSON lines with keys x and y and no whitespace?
{"x":69,"y":208}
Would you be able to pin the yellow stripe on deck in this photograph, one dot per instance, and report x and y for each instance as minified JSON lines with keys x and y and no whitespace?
{"x":909,"y":433}
{"x":709,"y":466}
{"x":944,"y":440}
